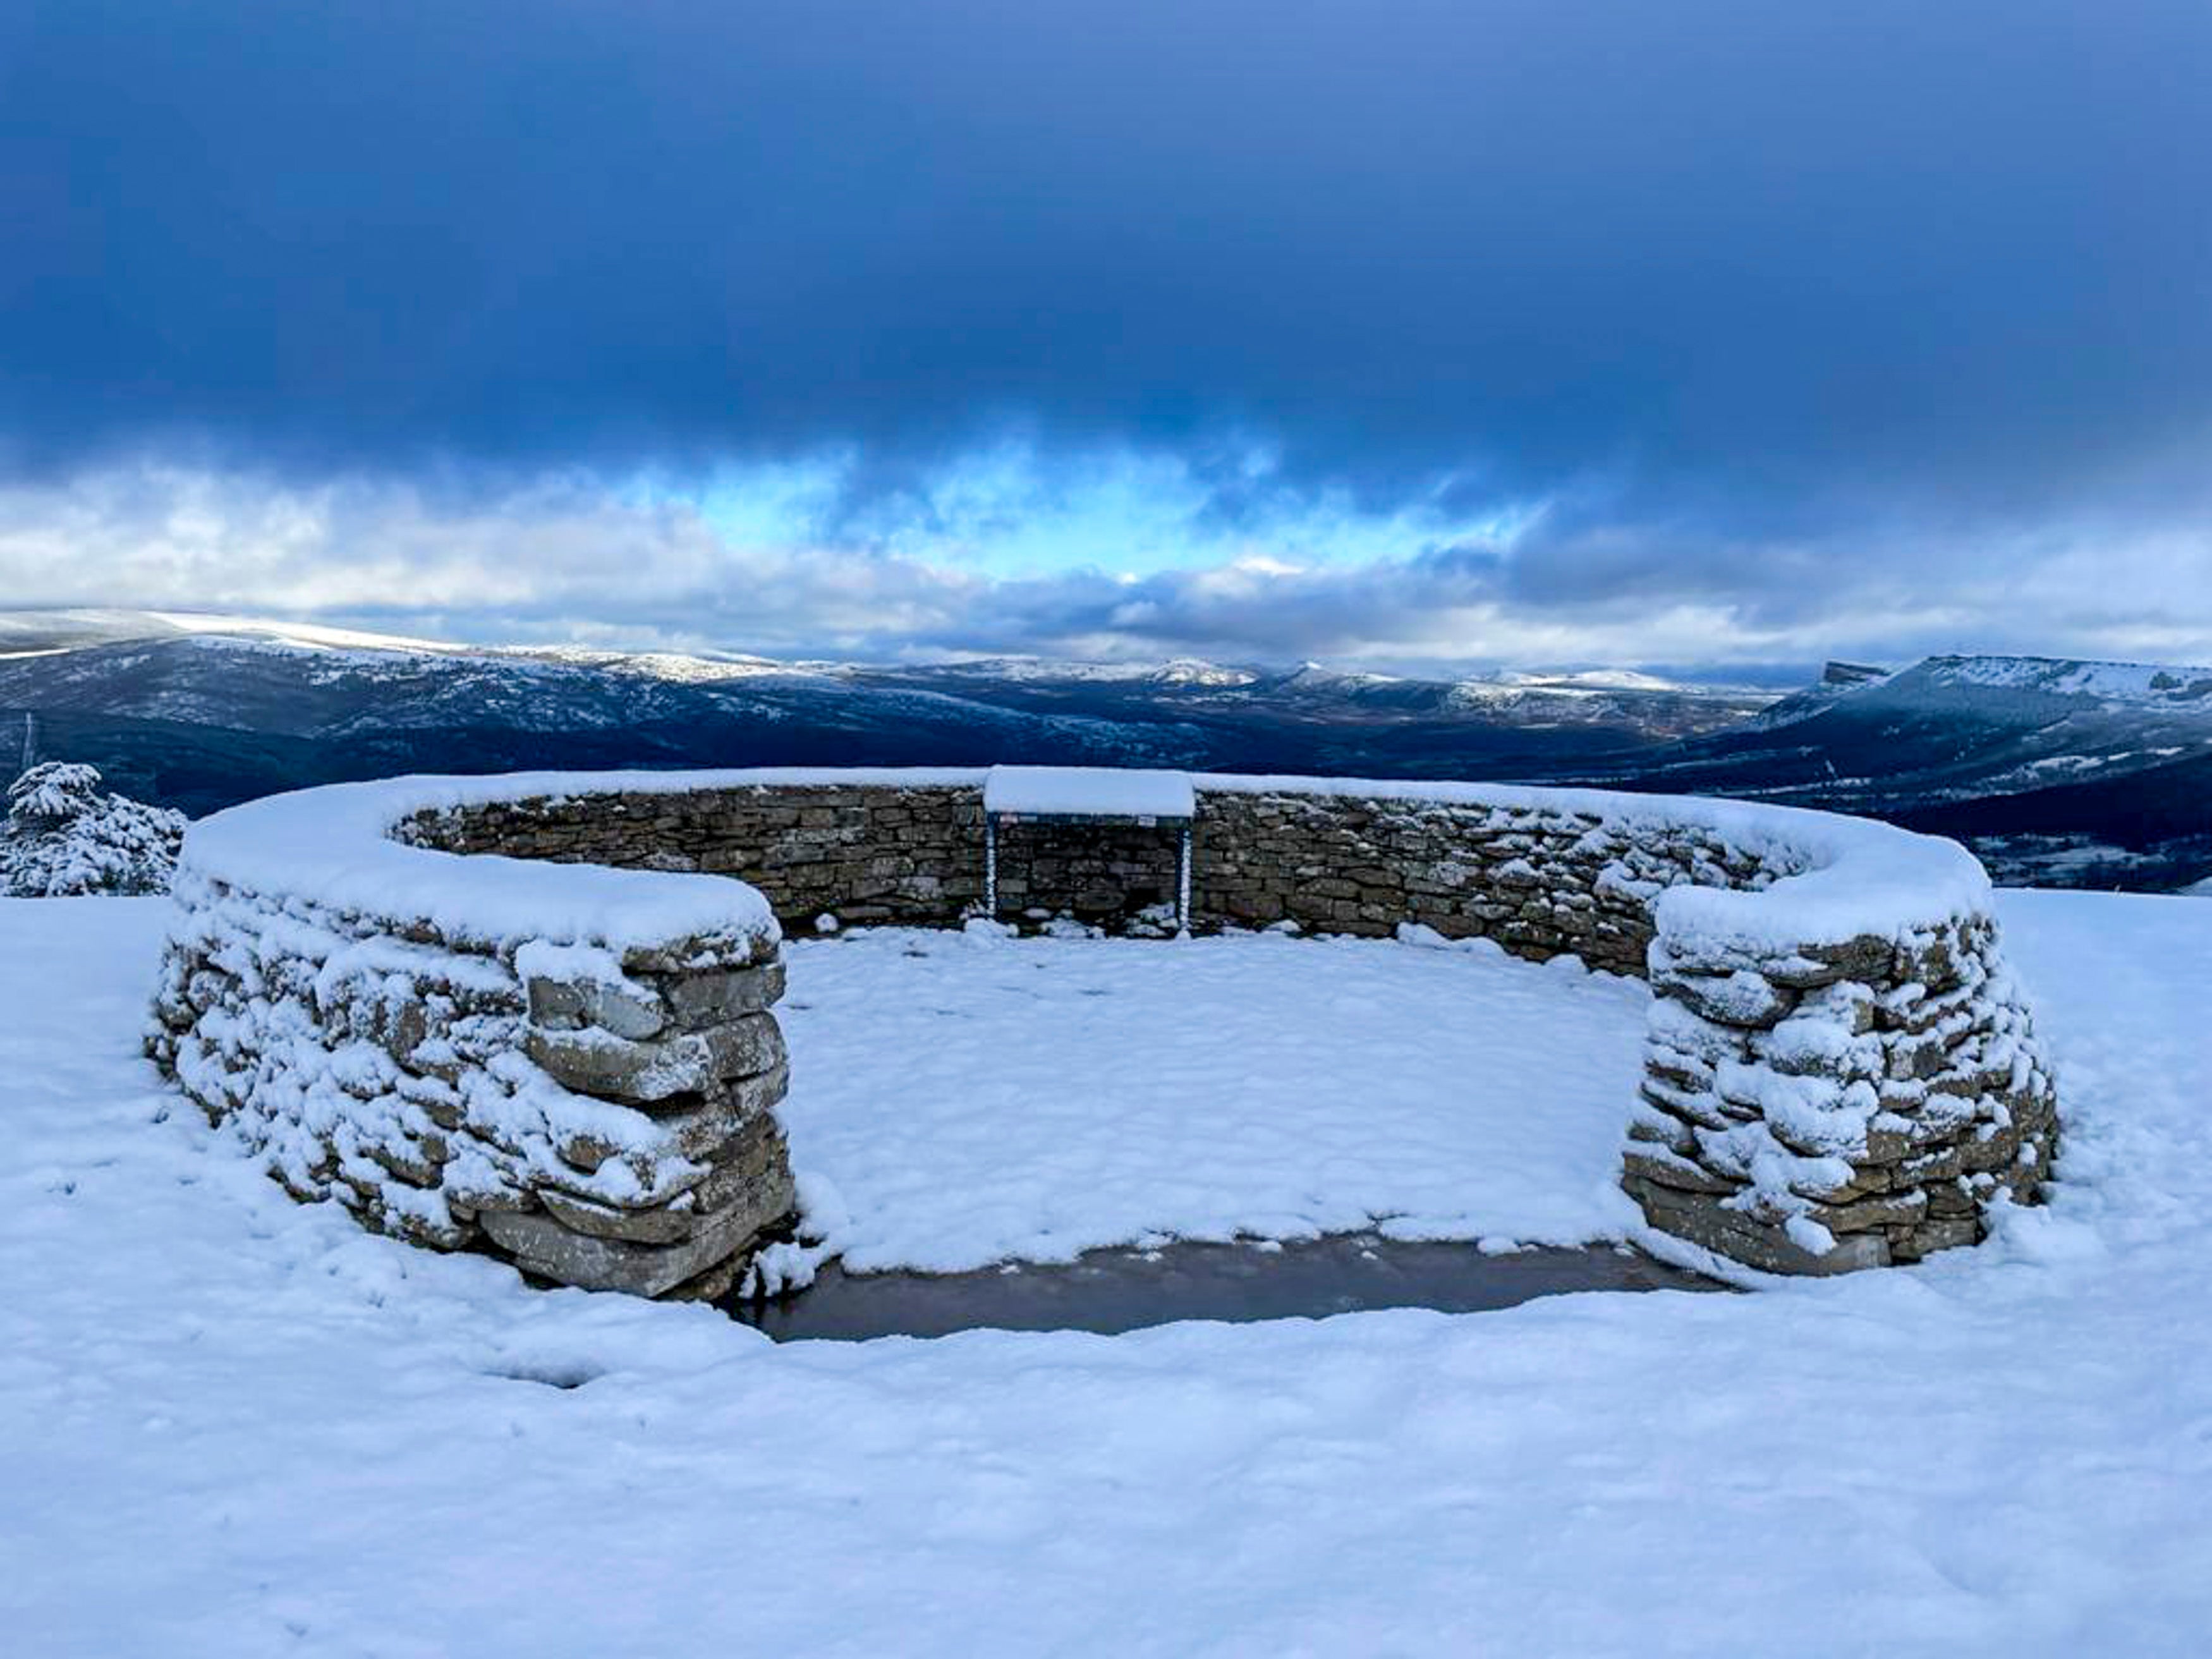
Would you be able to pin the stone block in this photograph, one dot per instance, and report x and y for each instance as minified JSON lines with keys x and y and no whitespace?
{"x":1889,"y":1210}
{"x":598,"y":1063}
{"x":694,"y":955}
{"x":661,"y":1226}
{"x":1937,"y":1234}
{"x":541,"y":1246}
{"x":1704,"y":1221}
{"x":1677,"y":1173}
{"x":1923,"y":1168}
{"x":1948,"y":1200}
{"x":1695,"y":1107}
{"x":1659,"y":1129}
{"x":713,"y":1127}
{"x":715,"y":997}
{"x":758,"y":1173}
{"x":1862,"y":1181}
{"x":581,"y":1151}
{"x":628,"y":1011}
{"x":1998,"y":1150}
{"x":1743,"y":999}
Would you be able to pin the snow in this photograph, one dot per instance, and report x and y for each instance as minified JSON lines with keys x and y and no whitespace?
{"x":1606,"y":687}
{"x":2111,"y":682}
{"x":109,"y":625}
{"x":1177,"y":671}
{"x":1051,"y":1096}
{"x":1847,"y":876}
{"x":330,"y":848}
{"x":1609,"y":679}
{"x":64,"y":834}
{"x":230,"y":1425}
{"x":1097,"y":792}
{"x":677,"y":667}
{"x":2028,"y":692}
{"x":329,"y":844}
{"x":298,"y":635}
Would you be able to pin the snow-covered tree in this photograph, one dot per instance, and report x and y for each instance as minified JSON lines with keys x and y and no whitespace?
{"x":65,"y":834}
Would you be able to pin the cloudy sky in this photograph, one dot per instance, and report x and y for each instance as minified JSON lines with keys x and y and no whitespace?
{"x":1702,"y":334}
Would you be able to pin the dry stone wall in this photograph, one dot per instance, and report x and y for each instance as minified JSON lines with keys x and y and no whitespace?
{"x":1121,"y":877}
{"x":1817,"y":1097}
{"x":599,"y":1119}
{"x":1815,"y":1107}
{"x":868,"y":854}
{"x":469,"y":1060}
{"x":1541,"y":881}
{"x":1840,"y":1072}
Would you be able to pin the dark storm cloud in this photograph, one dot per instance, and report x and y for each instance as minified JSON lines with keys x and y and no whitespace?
{"x":1735,"y":256}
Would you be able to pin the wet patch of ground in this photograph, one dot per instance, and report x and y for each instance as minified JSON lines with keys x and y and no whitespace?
{"x":1111,"y":1290}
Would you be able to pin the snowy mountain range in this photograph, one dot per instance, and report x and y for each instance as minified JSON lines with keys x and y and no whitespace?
{"x":2056,"y":771}
{"x":202,"y":711}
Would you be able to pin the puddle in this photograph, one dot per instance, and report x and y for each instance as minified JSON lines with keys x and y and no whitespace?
{"x":1111,"y":1290}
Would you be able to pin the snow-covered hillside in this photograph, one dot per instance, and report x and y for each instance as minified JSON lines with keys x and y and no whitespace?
{"x":2146,"y":685}
{"x":233,"y":1427}
{"x":35,"y":630}
{"x":201,"y":712}
{"x":2055,"y":771}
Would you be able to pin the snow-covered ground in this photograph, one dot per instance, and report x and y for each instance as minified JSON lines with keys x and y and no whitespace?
{"x":961,"y":1098}
{"x":229,"y":1425}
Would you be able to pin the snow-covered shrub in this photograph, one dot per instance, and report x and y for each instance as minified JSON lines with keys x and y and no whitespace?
{"x":67,"y":835}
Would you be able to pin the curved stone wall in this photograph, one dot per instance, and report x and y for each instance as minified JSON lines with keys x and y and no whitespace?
{"x":578,"y":1072}
{"x":1840,"y":1070}
{"x":579,"y":1075}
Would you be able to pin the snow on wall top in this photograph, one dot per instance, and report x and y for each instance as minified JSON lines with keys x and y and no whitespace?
{"x":333,"y":846}
{"x":1092,"y":791}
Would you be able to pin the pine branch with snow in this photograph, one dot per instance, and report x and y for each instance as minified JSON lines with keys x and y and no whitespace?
{"x":66,"y":834}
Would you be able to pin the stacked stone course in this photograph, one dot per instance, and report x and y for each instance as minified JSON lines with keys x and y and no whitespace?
{"x":1813,"y":1108}
{"x":1809,"y":1103}
{"x":1540,"y":882}
{"x":869,"y":854}
{"x":1118,"y":876}
{"x":1826,"y":1107}
{"x":599,"y":1120}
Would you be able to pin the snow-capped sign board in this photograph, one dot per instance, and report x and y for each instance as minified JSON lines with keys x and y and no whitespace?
{"x":1086,"y":792}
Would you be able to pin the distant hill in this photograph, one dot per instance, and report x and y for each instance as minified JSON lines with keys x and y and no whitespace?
{"x":200,"y":712}
{"x":2056,"y":771}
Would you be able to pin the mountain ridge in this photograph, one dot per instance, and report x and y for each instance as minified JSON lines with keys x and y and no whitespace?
{"x":2051,"y":768}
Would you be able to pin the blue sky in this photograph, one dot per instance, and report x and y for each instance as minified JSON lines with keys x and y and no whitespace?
{"x":1707,"y":335}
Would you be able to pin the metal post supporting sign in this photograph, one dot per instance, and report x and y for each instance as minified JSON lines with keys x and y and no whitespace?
{"x":1183,"y":883}
{"x":990,"y":867}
